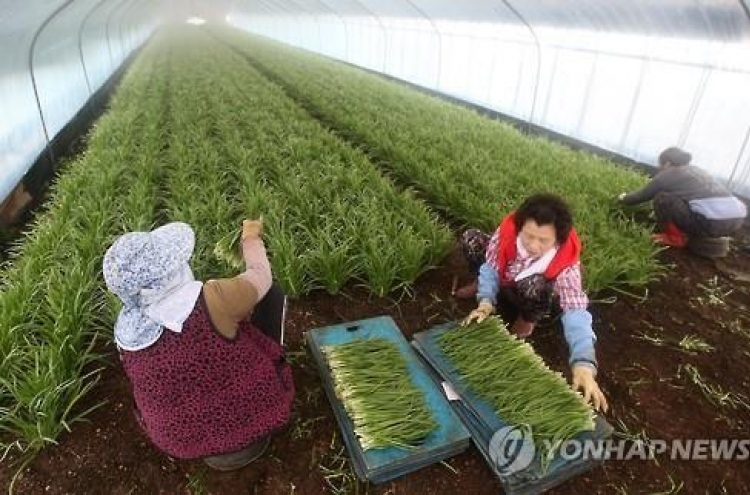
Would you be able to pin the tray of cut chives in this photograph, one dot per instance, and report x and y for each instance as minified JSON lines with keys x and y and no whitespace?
{"x":393,"y":417}
{"x":503,"y":383}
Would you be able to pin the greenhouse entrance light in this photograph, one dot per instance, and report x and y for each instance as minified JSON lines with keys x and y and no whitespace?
{"x":196,"y":21}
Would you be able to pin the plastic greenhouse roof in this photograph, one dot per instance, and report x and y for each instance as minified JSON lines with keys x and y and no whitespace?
{"x":725,"y":20}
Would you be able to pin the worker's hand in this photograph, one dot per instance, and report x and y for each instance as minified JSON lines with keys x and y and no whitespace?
{"x":484,"y":309}
{"x":583,"y":379}
{"x":252,"y":229}
{"x":621,"y":196}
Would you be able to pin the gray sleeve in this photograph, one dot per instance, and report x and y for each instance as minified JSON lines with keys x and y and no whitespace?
{"x":647,"y":192}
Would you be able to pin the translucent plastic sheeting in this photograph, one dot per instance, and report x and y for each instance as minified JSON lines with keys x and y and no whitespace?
{"x":630,"y":76}
{"x":60,"y":79}
{"x":21,"y":132}
{"x":74,"y":55}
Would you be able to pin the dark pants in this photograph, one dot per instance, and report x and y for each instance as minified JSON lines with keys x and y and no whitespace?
{"x":671,"y":208}
{"x":531,"y":298}
{"x":268,"y":315}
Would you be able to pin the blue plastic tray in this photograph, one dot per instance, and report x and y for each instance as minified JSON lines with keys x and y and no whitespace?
{"x":380,"y":465}
{"x":480,"y":419}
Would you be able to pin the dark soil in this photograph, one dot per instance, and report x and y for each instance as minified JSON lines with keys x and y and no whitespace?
{"x":650,"y":396}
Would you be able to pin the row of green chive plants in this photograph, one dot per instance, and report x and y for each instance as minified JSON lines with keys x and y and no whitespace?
{"x":200,"y":188}
{"x":329,"y":214}
{"x":475,"y":168}
{"x":53,"y":304}
{"x":520,"y":387}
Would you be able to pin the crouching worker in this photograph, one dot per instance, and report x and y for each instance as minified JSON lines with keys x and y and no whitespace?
{"x":205,"y":361}
{"x":688,"y":202}
{"x":532,"y":263}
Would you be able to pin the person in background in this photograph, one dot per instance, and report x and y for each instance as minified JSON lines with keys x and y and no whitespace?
{"x":688,"y":202}
{"x":205,"y":361}
{"x":532,"y":262}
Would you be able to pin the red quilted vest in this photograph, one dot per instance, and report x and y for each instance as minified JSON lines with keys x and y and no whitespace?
{"x":567,"y":255}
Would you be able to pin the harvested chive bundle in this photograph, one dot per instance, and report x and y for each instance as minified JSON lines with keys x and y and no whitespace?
{"x":507,"y":373}
{"x":227,"y":249}
{"x":372,"y":380}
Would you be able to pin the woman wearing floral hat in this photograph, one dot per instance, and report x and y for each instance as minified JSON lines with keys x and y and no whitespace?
{"x":205,"y":360}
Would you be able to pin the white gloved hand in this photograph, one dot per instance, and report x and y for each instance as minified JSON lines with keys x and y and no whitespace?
{"x":252,"y":229}
{"x":484,"y":310}
{"x":583,"y":379}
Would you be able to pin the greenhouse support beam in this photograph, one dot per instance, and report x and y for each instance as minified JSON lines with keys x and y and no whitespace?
{"x":123,"y":9}
{"x":694,"y":105}
{"x":272,"y":30}
{"x":440,"y":40}
{"x":81,"y":29}
{"x":586,"y":98}
{"x":746,"y":7}
{"x":739,"y":157}
{"x":290,"y":12}
{"x":33,"y":76}
{"x":343,"y":23}
{"x":119,"y":29}
{"x":109,"y":39}
{"x":382,"y":27}
{"x":538,"y":57}
{"x":309,"y":13}
{"x":645,"y":65}
{"x":129,"y":10}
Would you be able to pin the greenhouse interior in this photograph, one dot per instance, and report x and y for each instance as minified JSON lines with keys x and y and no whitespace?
{"x":381,"y":247}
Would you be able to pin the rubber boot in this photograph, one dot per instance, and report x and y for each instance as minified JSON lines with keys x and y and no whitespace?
{"x":241,"y":458}
{"x":671,"y":236}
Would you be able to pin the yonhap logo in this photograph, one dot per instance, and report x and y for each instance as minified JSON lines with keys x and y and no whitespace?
{"x":512,"y":449}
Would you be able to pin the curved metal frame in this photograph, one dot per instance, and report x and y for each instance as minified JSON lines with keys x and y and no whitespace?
{"x":80,"y":42}
{"x":109,"y":38}
{"x":309,"y":13}
{"x":284,"y":9}
{"x":382,"y":27}
{"x":131,"y":7}
{"x":271,"y":13}
{"x":123,"y":48}
{"x":538,"y":54}
{"x":343,"y":23}
{"x":589,"y":83}
{"x":645,"y":65}
{"x":745,"y":8}
{"x":262,"y":8}
{"x":701,"y":89}
{"x":440,"y":40}
{"x":33,"y":77}
{"x":739,"y":157}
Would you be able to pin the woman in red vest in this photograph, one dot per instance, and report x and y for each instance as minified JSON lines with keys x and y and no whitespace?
{"x":205,"y":361}
{"x":533,"y":262}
